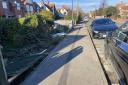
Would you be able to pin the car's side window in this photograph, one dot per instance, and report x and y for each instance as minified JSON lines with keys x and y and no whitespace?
{"x":115,"y":33}
{"x":121,"y":36}
{"x":124,"y":27}
{"x":122,"y":33}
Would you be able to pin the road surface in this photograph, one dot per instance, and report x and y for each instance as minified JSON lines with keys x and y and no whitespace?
{"x":73,"y":62}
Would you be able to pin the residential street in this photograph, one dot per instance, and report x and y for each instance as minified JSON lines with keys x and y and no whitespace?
{"x":73,"y":62}
{"x":64,"y":42}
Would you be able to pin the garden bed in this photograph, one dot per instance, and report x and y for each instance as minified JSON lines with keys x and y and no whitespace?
{"x":26,"y":41}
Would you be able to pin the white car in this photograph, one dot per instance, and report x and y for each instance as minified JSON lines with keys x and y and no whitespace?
{"x":86,"y":19}
{"x":58,"y":34}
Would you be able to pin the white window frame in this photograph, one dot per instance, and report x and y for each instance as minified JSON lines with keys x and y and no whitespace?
{"x":27,"y":7}
{"x":18,"y":6}
{"x":4,"y":4}
{"x":31,"y":9}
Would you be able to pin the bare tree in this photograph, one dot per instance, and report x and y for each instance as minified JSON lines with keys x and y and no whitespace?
{"x":103,"y":3}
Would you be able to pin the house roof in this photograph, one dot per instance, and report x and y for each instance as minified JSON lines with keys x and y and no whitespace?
{"x":22,"y":1}
{"x":65,"y":7}
{"x":51,"y":5}
{"x":58,"y":9}
{"x":122,"y":6}
{"x":35,"y":4}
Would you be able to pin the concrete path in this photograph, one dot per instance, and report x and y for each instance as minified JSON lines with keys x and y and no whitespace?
{"x":72,"y":62}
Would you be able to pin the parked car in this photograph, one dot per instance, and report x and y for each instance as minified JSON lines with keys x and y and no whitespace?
{"x":100,"y":27}
{"x":58,"y":35}
{"x":85,"y":19}
{"x":116,"y":48}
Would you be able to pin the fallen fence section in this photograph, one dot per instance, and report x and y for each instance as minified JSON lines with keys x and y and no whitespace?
{"x":25,"y":66}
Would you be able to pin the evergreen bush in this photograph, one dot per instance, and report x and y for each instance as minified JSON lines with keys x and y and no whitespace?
{"x":23,"y":31}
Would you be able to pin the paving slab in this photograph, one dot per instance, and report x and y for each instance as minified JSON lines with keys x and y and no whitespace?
{"x":73,"y":62}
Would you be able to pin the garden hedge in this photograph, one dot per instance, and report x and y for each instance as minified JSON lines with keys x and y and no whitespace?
{"x":23,"y":31}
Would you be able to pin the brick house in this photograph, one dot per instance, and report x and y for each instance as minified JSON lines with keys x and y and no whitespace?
{"x":123,"y":9}
{"x":10,"y":8}
{"x":4,"y":11}
{"x":17,"y":8}
{"x":49,"y":7}
{"x":29,"y":6}
{"x":64,"y":10}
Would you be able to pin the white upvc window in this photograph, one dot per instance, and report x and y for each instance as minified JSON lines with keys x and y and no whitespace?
{"x":29,"y":1}
{"x":27,"y":7}
{"x":4,"y":4}
{"x":31,"y":8}
{"x":18,"y":6}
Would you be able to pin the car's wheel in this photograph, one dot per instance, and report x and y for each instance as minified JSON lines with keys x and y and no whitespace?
{"x":94,"y":36}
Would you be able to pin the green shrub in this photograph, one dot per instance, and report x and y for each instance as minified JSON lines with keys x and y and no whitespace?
{"x":34,"y":28}
{"x":48,"y":16}
{"x":21,"y":21}
{"x":23,"y":31}
{"x":31,"y":22}
{"x":8,"y":29}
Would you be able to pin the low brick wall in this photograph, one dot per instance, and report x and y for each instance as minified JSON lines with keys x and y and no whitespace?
{"x":120,"y":20}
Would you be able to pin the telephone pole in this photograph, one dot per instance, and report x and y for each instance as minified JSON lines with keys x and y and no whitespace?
{"x":103,"y":4}
{"x":77,"y":8}
{"x":72,"y":15}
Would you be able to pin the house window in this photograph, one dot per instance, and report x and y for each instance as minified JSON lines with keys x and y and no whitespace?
{"x":38,"y":9}
{"x":18,"y":6}
{"x":4,"y":4}
{"x":27,"y":8}
{"x":29,"y":1}
{"x":31,"y":8}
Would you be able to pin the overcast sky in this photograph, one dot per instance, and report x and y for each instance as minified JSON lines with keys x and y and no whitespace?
{"x":86,"y":5}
